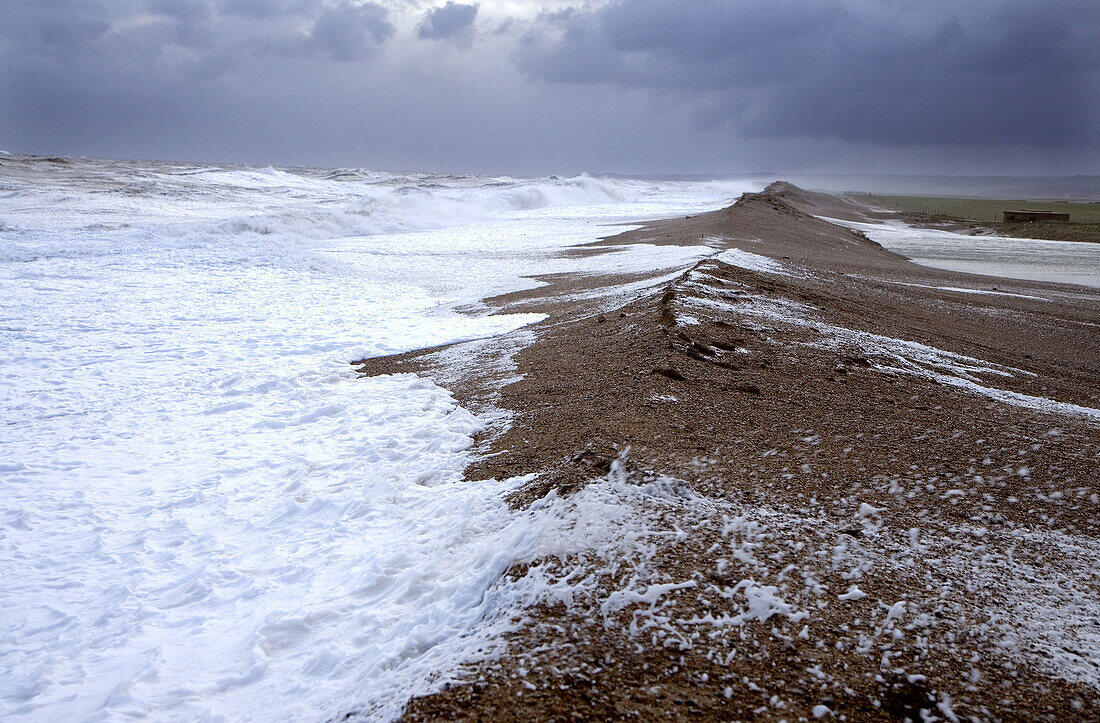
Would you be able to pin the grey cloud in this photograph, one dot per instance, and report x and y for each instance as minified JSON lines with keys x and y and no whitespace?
{"x":633,"y":85}
{"x":183,"y":10}
{"x":259,"y":9}
{"x":447,"y":21}
{"x":351,"y":32}
{"x":200,"y":38}
{"x":51,"y":27}
{"x":987,"y":73}
{"x":186,"y":23}
{"x":71,"y":33}
{"x":704,"y":30}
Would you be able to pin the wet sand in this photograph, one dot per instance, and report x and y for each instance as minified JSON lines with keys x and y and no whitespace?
{"x":884,"y":490}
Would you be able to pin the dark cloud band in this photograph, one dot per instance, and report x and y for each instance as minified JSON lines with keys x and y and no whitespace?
{"x":625,"y":85}
{"x":985,"y":73}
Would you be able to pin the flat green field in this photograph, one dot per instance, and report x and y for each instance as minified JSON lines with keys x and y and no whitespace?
{"x":1083,"y":225}
{"x":978,"y":209}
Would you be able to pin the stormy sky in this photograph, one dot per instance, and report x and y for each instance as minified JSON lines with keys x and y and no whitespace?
{"x":546,"y":86}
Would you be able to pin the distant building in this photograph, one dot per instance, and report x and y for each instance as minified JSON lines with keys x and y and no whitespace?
{"x":1029,"y":216}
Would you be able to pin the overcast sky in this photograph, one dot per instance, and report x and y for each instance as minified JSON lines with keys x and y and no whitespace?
{"x":542,"y":86}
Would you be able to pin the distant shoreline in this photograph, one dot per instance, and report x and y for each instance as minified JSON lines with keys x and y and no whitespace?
{"x":1074,"y":187}
{"x":957,"y":214}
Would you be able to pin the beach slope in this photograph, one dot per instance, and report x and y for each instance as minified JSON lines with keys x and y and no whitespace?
{"x":833,"y":483}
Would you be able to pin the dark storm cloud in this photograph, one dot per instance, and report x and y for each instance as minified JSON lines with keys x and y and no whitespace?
{"x":626,"y":85}
{"x":125,"y":37}
{"x":447,"y":21}
{"x":51,"y":25}
{"x":986,"y":73}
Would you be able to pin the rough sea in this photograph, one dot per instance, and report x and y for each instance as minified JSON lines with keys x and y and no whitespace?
{"x":204,"y":513}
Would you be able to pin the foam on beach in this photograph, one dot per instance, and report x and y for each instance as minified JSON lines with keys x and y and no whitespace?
{"x":1064,"y":262}
{"x":203,"y":506}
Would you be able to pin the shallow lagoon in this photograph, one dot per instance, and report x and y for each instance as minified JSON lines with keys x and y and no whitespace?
{"x":1061,"y":261}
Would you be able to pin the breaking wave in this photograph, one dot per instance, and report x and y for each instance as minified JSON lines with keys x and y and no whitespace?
{"x":171,"y":205}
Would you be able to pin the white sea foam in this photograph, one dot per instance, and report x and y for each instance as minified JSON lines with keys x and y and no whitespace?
{"x":752,"y":262}
{"x":963,"y":290}
{"x":204,"y":512}
{"x":891,"y":355}
{"x":1061,"y":261}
